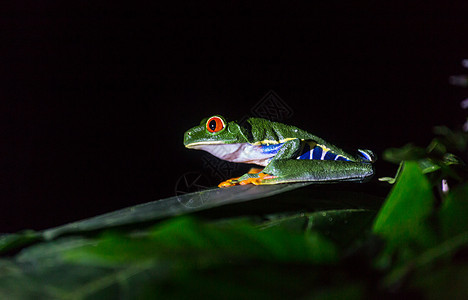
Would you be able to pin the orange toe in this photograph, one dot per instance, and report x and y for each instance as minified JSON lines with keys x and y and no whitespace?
{"x":255,"y":170}
{"x":229,"y":182}
{"x":257,"y":181}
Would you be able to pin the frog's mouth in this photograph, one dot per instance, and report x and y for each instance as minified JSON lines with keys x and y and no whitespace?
{"x":229,"y":152}
{"x":236,"y":152}
{"x":199,"y":145}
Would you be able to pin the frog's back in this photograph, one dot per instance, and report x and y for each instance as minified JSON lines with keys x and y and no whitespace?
{"x":269,"y":132}
{"x":271,"y":135}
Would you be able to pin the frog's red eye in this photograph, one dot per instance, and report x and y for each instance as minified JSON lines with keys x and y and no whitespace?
{"x":215,"y":124}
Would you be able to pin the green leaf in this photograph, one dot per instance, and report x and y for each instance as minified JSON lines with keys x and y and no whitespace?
{"x":424,"y":260}
{"x":456,"y":140}
{"x":51,"y":253}
{"x":341,"y":226}
{"x":402,"y":221}
{"x":446,"y":282}
{"x":454,"y":230}
{"x":11,"y":242}
{"x":428,"y":166}
{"x":392,"y":180}
{"x":57,"y":281}
{"x":405,"y":153}
{"x":179,"y":257}
{"x":187,"y":240}
{"x":172,"y":206}
{"x":454,"y":212}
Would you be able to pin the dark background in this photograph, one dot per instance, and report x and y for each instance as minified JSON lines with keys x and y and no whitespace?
{"x":95,"y":98}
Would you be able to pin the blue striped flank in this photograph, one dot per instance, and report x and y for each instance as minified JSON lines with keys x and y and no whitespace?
{"x":271,"y":149}
{"x":317,"y":152}
{"x":305,"y":152}
{"x":329,"y":156}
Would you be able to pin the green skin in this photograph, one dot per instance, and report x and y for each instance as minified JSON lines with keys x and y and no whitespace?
{"x":283,"y":166}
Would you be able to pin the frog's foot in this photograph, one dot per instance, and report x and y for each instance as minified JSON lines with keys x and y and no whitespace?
{"x":257,"y":180}
{"x":239,"y":180}
{"x":249,"y":178}
{"x":229,"y":182}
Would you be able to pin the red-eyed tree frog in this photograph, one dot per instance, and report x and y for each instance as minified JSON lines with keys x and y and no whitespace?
{"x":287,"y":153}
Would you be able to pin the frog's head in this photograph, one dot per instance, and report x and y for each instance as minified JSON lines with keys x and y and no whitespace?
{"x":214,"y":131}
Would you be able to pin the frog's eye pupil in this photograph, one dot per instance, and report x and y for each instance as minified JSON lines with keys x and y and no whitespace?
{"x":215,"y":124}
{"x":212,"y":125}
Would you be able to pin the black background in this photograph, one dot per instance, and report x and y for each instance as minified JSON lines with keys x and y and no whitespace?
{"x":96,"y":97}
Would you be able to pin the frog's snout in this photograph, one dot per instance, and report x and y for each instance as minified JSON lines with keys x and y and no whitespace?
{"x":187,"y":135}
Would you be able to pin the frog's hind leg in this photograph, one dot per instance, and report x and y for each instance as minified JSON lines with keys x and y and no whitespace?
{"x":318,"y":171}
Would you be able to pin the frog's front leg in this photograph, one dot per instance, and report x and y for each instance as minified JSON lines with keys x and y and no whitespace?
{"x":256,"y":176}
{"x":244,"y":179}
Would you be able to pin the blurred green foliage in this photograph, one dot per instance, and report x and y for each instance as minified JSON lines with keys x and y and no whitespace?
{"x":414,"y":244}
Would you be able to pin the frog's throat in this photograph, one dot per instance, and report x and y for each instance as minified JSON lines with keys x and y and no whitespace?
{"x":236,"y":152}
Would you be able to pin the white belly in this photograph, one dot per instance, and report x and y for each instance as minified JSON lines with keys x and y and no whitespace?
{"x":239,"y":153}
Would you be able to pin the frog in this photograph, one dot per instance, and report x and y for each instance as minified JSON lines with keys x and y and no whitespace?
{"x":281,"y":153}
